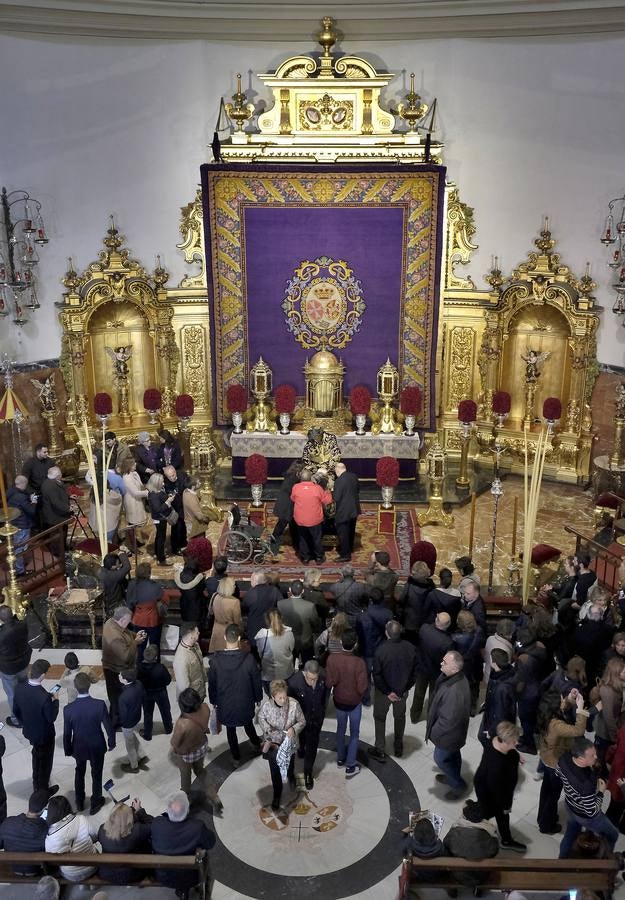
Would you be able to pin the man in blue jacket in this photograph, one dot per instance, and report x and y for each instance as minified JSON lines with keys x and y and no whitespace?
{"x":85,"y":721}
{"x":19,"y":498}
{"x":37,"y":710}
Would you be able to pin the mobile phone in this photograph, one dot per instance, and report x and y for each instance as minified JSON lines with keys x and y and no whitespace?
{"x":55,"y":689}
{"x":1,"y":725}
{"x":109,"y":785}
{"x":572,"y":895}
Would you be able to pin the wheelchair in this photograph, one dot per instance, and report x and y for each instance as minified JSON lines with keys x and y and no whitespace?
{"x":244,"y":541}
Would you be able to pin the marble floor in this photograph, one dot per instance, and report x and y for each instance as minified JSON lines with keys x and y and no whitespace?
{"x":341,"y":839}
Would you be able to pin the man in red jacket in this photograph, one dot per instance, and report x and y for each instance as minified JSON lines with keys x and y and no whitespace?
{"x":347,"y":676}
{"x":309,"y":499}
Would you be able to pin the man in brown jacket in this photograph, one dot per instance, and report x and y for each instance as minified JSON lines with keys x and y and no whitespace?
{"x":347,"y":676}
{"x":188,"y":662}
{"x":119,"y":652}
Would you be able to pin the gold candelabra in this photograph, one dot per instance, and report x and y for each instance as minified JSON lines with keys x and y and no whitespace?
{"x":436,"y":462}
{"x":203,"y":453}
{"x":261,"y":378}
{"x":388,"y":389}
{"x":13,"y":595}
{"x":616,"y":457}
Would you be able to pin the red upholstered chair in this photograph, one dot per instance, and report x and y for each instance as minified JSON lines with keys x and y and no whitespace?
{"x":544,"y":553}
{"x":423,"y":551}
{"x":609,"y":504}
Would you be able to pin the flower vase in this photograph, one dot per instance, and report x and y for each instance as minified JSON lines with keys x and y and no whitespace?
{"x":387,"y":497}
{"x":237,"y":421}
{"x":361,"y":421}
{"x":285,"y":418}
{"x":257,"y":493}
{"x":153,"y":415}
{"x":183,"y":423}
{"x":409,"y":421}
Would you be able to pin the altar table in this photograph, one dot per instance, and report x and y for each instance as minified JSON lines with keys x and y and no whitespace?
{"x":359,"y":452}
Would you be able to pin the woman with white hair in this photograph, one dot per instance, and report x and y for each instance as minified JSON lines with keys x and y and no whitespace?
{"x":159,"y":502}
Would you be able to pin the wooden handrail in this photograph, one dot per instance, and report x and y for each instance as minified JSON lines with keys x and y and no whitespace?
{"x":598,"y":549}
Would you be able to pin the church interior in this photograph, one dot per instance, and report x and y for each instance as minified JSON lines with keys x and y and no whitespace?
{"x":240,"y":241}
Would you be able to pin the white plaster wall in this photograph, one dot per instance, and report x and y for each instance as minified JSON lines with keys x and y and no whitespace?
{"x":90,"y":127}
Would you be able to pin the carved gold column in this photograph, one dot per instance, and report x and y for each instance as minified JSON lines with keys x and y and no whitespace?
{"x":616,"y":457}
{"x":530,"y":393}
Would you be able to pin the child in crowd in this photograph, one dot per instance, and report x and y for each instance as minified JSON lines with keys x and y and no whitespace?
{"x":72,"y":668}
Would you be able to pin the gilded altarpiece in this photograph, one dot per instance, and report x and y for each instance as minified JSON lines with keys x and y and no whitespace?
{"x":325,"y":110}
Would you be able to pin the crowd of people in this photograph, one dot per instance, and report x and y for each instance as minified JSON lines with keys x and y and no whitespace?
{"x":540,"y":684}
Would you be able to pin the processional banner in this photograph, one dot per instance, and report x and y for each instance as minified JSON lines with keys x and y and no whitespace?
{"x":307,"y":257}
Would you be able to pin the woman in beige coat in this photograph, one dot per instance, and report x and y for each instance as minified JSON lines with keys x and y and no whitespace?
{"x":134,"y":499}
{"x":194,"y":517}
{"x":227,"y":611}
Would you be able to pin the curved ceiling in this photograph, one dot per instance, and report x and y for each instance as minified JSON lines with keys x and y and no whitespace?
{"x":277,"y":21}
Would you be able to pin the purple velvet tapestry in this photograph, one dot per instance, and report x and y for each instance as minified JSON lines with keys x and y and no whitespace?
{"x":299,"y":257}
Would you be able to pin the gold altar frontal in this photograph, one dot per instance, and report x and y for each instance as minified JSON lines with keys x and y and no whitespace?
{"x":326,"y":109}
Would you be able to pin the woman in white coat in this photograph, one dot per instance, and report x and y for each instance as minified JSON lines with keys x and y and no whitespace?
{"x":134,"y":500}
{"x":68,"y":832}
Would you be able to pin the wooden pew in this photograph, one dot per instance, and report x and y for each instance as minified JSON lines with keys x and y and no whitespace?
{"x":506,"y":874}
{"x":149,"y":861}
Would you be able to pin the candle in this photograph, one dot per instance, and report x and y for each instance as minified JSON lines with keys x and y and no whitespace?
{"x":3,"y":495}
{"x":515,"y":511}
{"x":472,"y":522}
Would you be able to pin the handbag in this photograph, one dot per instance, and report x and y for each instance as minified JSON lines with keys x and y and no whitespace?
{"x":172,"y":517}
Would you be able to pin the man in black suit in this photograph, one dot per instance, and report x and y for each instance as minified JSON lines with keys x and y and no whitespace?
{"x":346,"y":496}
{"x":37,"y":710}
{"x":83,"y":738}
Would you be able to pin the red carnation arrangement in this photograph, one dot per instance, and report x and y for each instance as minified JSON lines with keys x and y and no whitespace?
{"x":501,"y":403}
{"x":410,"y":400}
{"x":102,"y":405}
{"x":184,"y":406}
{"x":256,"y":469}
{"x":236,"y":398}
{"x":552,"y":409}
{"x":285,"y":398}
{"x":201,"y":549}
{"x":152,"y":400}
{"x":360,"y":400}
{"x":467,"y":411}
{"x":387,"y":472}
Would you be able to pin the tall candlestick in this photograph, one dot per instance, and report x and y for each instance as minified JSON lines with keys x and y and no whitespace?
{"x":3,"y":496}
{"x":472,"y":522}
{"x":515,"y":511}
